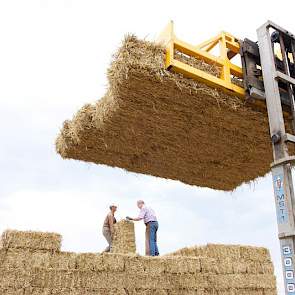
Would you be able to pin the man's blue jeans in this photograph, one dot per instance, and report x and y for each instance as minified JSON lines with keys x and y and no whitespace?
{"x":153,"y":238}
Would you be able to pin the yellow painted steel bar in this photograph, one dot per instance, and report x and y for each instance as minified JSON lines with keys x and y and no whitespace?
{"x":205,"y":56}
{"x":206,"y":78}
{"x":227,"y":43}
{"x":209,"y":44}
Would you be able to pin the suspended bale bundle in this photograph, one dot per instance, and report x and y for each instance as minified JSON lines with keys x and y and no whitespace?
{"x":30,"y":240}
{"x":156,"y":122}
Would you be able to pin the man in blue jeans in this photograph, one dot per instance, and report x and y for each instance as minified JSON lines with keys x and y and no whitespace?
{"x":147,"y":214}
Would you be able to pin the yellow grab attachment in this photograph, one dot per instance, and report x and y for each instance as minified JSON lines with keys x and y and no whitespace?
{"x":229,"y":47}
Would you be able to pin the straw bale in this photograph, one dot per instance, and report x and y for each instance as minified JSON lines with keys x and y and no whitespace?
{"x":67,"y":291}
{"x":118,"y":291}
{"x":239,"y":267}
{"x":209,"y":265}
{"x":11,"y":291}
{"x":148,"y":281}
{"x":91,"y":261}
{"x":63,"y":261}
{"x":225,"y":266}
{"x":134,"y":264}
{"x":42,"y":291}
{"x":139,"y":291}
{"x":17,"y":278}
{"x":267,"y":267}
{"x":219,"y":251}
{"x":254,"y":253}
{"x":187,"y":292}
{"x":252,"y":267}
{"x":114,"y":262}
{"x":190,"y":281}
{"x":262,"y":281}
{"x":222,"y":251}
{"x":39,"y":291}
{"x":211,"y":250}
{"x":28,"y":259}
{"x":154,"y":265}
{"x":25,"y":259}
{"x":31,"y":240}
{"x":209,"y":291}
{"x":124,"y":237}
{"x":181,"y":265}
{"x":242,"y":292}
{"x":156,"y":122}
{"x":183,"y":292}
{"x":47,"y":278}
{"x":2,"y":255}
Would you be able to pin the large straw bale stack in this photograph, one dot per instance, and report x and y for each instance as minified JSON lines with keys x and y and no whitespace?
{"x":156,"y":122}
{"x":124,"y":237}
{"x":27,"y":271}
{"x":31,"y":240}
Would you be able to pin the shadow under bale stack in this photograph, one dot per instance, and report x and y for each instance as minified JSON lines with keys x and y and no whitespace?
{"x":156,"y":122}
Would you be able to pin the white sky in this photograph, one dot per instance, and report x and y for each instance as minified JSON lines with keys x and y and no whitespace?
{"x":53,"y":59}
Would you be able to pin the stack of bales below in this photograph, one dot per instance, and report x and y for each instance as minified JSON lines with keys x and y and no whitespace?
{"x":157,"y":122}
{"x":32,"y":264}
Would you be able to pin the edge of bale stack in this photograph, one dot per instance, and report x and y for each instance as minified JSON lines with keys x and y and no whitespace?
{"x":24,"y":271}
{"x":13,"y":239}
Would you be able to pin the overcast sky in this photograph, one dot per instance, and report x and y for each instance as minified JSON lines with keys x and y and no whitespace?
{"x":53,"y":59}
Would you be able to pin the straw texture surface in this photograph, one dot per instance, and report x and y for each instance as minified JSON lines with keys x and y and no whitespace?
{"x":156,"y":122}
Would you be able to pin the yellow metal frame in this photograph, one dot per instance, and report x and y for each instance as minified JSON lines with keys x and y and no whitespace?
{"x":229,"y":46}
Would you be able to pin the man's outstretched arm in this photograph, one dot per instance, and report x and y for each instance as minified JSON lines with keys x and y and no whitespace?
{"x":140,"y":216}
{"x":134,"y":219}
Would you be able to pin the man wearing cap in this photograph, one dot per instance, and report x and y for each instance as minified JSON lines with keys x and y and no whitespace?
{"x":148,"y":215}
{"x":108,"y":226}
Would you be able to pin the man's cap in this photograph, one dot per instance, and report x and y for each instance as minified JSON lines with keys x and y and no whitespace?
{"x":113,"y":205}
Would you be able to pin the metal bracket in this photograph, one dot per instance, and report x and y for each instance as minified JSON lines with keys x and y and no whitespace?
{"x":283,"y":161}
{"x":252,"y":74}
{"x":285,"y":78}
{"x":286,"y":235}
{"x":289,"y":138}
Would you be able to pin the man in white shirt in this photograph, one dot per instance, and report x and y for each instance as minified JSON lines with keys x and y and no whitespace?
{"x":148,"y":215}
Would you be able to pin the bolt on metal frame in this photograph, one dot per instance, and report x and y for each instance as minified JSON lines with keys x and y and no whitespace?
{"x":229,"y":46}
{"x":281,"y":167}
